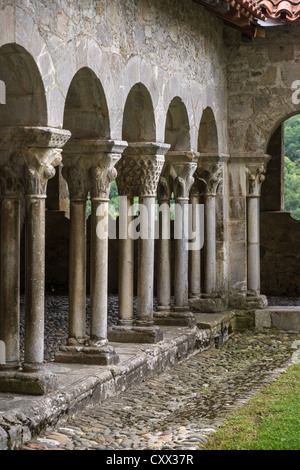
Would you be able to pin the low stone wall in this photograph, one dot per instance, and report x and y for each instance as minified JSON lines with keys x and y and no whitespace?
{"x":280,"y":254}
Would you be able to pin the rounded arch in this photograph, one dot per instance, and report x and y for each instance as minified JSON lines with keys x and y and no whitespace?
{"x":138,"y":117}
{"x":25,"y":93}
{"x":254,"y":136}
{"x":177,"y":128}
{"x":208,"y":133}
{"x":86,"y":114}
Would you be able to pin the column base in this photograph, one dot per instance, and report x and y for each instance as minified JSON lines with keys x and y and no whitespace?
{"x":256,"y":301}
{"x":135,"y":334}
{"x":249,"y":301}
{"x":99,"y":354}
{"x":208,"y":303}
{"x":175,"y":318}
{"x":27,"y":383}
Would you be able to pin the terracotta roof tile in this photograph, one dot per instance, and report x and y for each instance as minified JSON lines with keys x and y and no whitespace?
{"x":289,"y":10}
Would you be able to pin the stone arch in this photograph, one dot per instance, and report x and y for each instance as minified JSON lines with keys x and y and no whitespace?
{"x":176,"y":89}
{"x":138,"y":117}
{"x":86,"y":112}
{"x":177,"y":129}
{"x":255,"y":137}
{"x":208,"y":133}
{"x":25,"y":93}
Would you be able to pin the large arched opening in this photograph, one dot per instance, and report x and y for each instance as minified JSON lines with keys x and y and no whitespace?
{"x":280,"y":213}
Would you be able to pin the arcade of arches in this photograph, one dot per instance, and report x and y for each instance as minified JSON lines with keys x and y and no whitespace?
{"x":176,"y":106}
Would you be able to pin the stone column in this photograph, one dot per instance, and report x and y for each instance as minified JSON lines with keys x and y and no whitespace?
{"x":164,"y":244}
{"x":256,"y":176}
{"x":126,"y":262}
{"x":75,"y":172}
{"x":182,"y":166}
{"x":91,"y":171}
{"x":195,"y":254}
{"x":139,"y":171}
{"x":11,"y":200}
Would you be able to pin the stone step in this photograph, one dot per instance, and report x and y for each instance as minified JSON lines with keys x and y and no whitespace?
{"x":219,"y":325}
{"x":282,"y":318}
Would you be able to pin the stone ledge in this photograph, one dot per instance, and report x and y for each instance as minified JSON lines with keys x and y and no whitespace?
{"x":78,"y":386}
{"x":282,"y":318}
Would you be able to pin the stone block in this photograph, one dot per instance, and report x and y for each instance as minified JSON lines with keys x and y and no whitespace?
{"x":208,"y":304}
{"x":135,"y":334}
{"x":27,"y":383}
{"x":102,"y":356}
{"x":174,"y":319}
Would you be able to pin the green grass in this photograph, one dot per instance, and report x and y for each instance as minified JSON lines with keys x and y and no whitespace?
{"x":270,"y":421}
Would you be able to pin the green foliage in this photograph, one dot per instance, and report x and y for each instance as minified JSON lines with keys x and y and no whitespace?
{"x":268,"y":422}
{"x":292,"y":166}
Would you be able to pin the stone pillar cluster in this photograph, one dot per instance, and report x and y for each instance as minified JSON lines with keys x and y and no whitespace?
{"x":28,"y":157}
{"x":209,"y":176}
{"x":89,"y":168}
{"x":139,"y":171}
{"x":177,"y":178}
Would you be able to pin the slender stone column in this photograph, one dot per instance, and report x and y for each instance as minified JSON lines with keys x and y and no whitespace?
{"x":164,"y":244}
{"x":75,"y":172}
{"x":40,"y":164}
{"x":138,"y":175}
{"x":195,"y":254}
{"x":102,"y":173}
{"x":182,"y":172}
{"x":12,"y":190}
{"x":146,"y":263}
{"x":256,"y":176}
{"x":126,"y":262}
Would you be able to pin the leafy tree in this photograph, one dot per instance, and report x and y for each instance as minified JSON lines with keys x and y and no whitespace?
{"x":292,"y":166}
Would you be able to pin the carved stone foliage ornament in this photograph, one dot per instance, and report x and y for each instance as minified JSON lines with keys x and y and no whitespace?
{"x":182,"y":179}
{"x":210,"y":176}
{"x":29,"y":156}
{"x":256,"y":177}
{"x":102,"y":175}
{"x":140,"y":168}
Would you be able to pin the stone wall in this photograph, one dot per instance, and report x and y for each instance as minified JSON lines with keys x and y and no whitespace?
{"x":260,"y":74}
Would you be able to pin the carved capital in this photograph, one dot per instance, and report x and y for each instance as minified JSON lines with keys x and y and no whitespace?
{"x":164,"y":188}
{"x":210,"y":177}
{"x":102,"y":172}
{"x":140,"y":168}
{"x":182,"y":166}
{"x":256,"y":177}
{"x":89,"y":165}
{"x":39,"y":168}
{"x":182,"y":178}
{"x":30,"y":155}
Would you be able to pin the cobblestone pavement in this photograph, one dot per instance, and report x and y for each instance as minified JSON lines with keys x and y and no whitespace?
{"x":179,"y":409}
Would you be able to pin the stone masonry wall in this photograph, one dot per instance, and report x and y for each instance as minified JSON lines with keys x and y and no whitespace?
{"x":261,"y":72}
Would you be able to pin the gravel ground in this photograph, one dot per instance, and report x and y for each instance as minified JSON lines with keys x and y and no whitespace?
{"x":181,"y":408}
